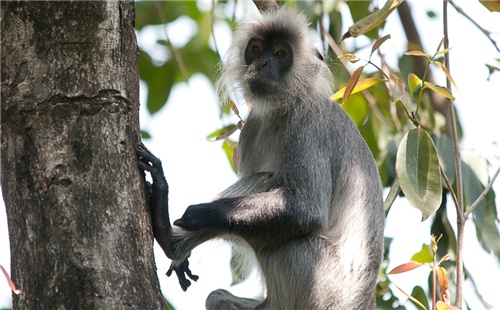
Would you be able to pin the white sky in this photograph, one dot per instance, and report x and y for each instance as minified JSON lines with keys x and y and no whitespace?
{"x":197,"y":170}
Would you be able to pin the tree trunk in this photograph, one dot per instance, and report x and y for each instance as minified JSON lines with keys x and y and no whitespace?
{"x":79,"y":230}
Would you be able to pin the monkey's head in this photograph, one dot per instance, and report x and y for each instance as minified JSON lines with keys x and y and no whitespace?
{"x":273,"y":61}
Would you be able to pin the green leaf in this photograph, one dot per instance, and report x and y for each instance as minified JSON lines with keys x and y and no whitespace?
{"x":491,"y":69}
{"x":358,"y":10}
{"x":419,"y":294}
{"x":424,"y":256}
{"x":444,"y":51}
{"x":228,"y":147}
{"x":417,"y":169}
{"x":379,"y":42}
{"x":413,"y":299}
{"x":418,"y":53}
{"x":158,"y":79}
{"x":145,"y":135}
{"x":371,"y":21}
{"x":479,"y":165}
{"x":491,"y":5}
{"x":351,"y":84}
{"x":393,"y":194}
{"x":440,"y":44}
{"x":392,"y":150}
{"x":169,"y":304}
{"x":361,"y":85}
{"x":444,"y":148}
{"x":472,"y":189}
{"x":357,"y":108}
{"x":147,"y":13}
{"x":222,"y":132}
{"x":239,"y":270}
{"x":368,"y":130}
{"x":485,"y":214}
{"x":446,"y":72}
{"x":443,"y":91}
{"x":414,"y":82}
{"x":405,"y":268}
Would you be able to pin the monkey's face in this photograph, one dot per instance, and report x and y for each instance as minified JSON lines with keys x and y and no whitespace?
{"x":268,"y":63}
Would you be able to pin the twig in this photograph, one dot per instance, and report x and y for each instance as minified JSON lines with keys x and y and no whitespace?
{"x":177,"y":55}
{"x":458,"y":171}
{"x":482,"y":196}
{"x":486,"y":32}
{"x":213,"y":32}
{"x":450,"y":188}
{"x":366,"y":93}
{"x":438,"y":102}
{"x":393,"y":107}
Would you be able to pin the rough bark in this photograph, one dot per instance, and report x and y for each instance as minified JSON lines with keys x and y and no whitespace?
{"x":79,"y":230}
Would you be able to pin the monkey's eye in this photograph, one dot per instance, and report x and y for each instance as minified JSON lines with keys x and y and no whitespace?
{"x":280,"y":53}
{"x":256,"y":49}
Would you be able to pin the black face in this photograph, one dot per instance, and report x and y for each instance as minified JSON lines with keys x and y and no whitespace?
{"x":268,"y":61}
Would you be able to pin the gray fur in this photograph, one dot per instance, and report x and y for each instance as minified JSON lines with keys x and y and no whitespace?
{"x":309,"y":200}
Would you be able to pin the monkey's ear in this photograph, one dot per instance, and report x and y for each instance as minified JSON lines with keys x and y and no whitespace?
{"x":319,"y":54}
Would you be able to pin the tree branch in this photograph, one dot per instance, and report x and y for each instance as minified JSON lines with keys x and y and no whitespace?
{"x":482,"y":196}
{"x":458,"y":171}
{"x":266,"y":5}
{"x":174,"y":49}
{"x":486,"y":32}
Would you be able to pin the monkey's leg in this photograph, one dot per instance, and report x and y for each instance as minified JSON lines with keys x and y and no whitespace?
{"x":162,"y":230}
{"x":223,"y":300}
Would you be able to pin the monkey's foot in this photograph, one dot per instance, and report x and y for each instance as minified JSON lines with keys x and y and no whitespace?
{"x":182,"y":270}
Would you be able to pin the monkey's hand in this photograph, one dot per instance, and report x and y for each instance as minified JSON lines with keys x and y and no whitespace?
{"x":182,"y":269}
{"x":200,"y":216}
{"x":162,"y":229}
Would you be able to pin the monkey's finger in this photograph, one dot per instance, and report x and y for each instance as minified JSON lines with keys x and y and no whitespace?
{"x":183,"y":282}
{"x":145,"y":154}
{"x":187,"y":271}
{"x":141,"y":148}
{"x":169,"y":272}
{"x":144,"y":166}
{"x":192,"y":276}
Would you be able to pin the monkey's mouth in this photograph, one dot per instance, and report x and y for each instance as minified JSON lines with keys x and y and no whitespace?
{"x":261,"y":86}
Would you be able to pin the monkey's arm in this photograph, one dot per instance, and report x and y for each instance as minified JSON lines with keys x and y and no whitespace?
{"x":269,"y":217}
{"x":162,"y":230}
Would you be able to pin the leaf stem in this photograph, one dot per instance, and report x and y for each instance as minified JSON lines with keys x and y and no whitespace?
{"x":366,"y":93}
{"x":406,"y":111}
{"x":422,"y":88}
{"x":371,"y":63}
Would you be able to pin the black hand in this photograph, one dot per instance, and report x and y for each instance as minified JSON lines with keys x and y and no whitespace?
{"x":149,"y":162}
{"x":200,"y":216}
{"x":182,"y":270}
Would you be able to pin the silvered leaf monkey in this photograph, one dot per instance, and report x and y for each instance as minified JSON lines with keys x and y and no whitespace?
{"x":308,"y":202}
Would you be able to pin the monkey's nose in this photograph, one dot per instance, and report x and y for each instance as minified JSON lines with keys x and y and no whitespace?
{"x":264,"y":63}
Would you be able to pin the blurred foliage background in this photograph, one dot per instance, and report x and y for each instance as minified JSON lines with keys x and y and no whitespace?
{"x":382,"y":124}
